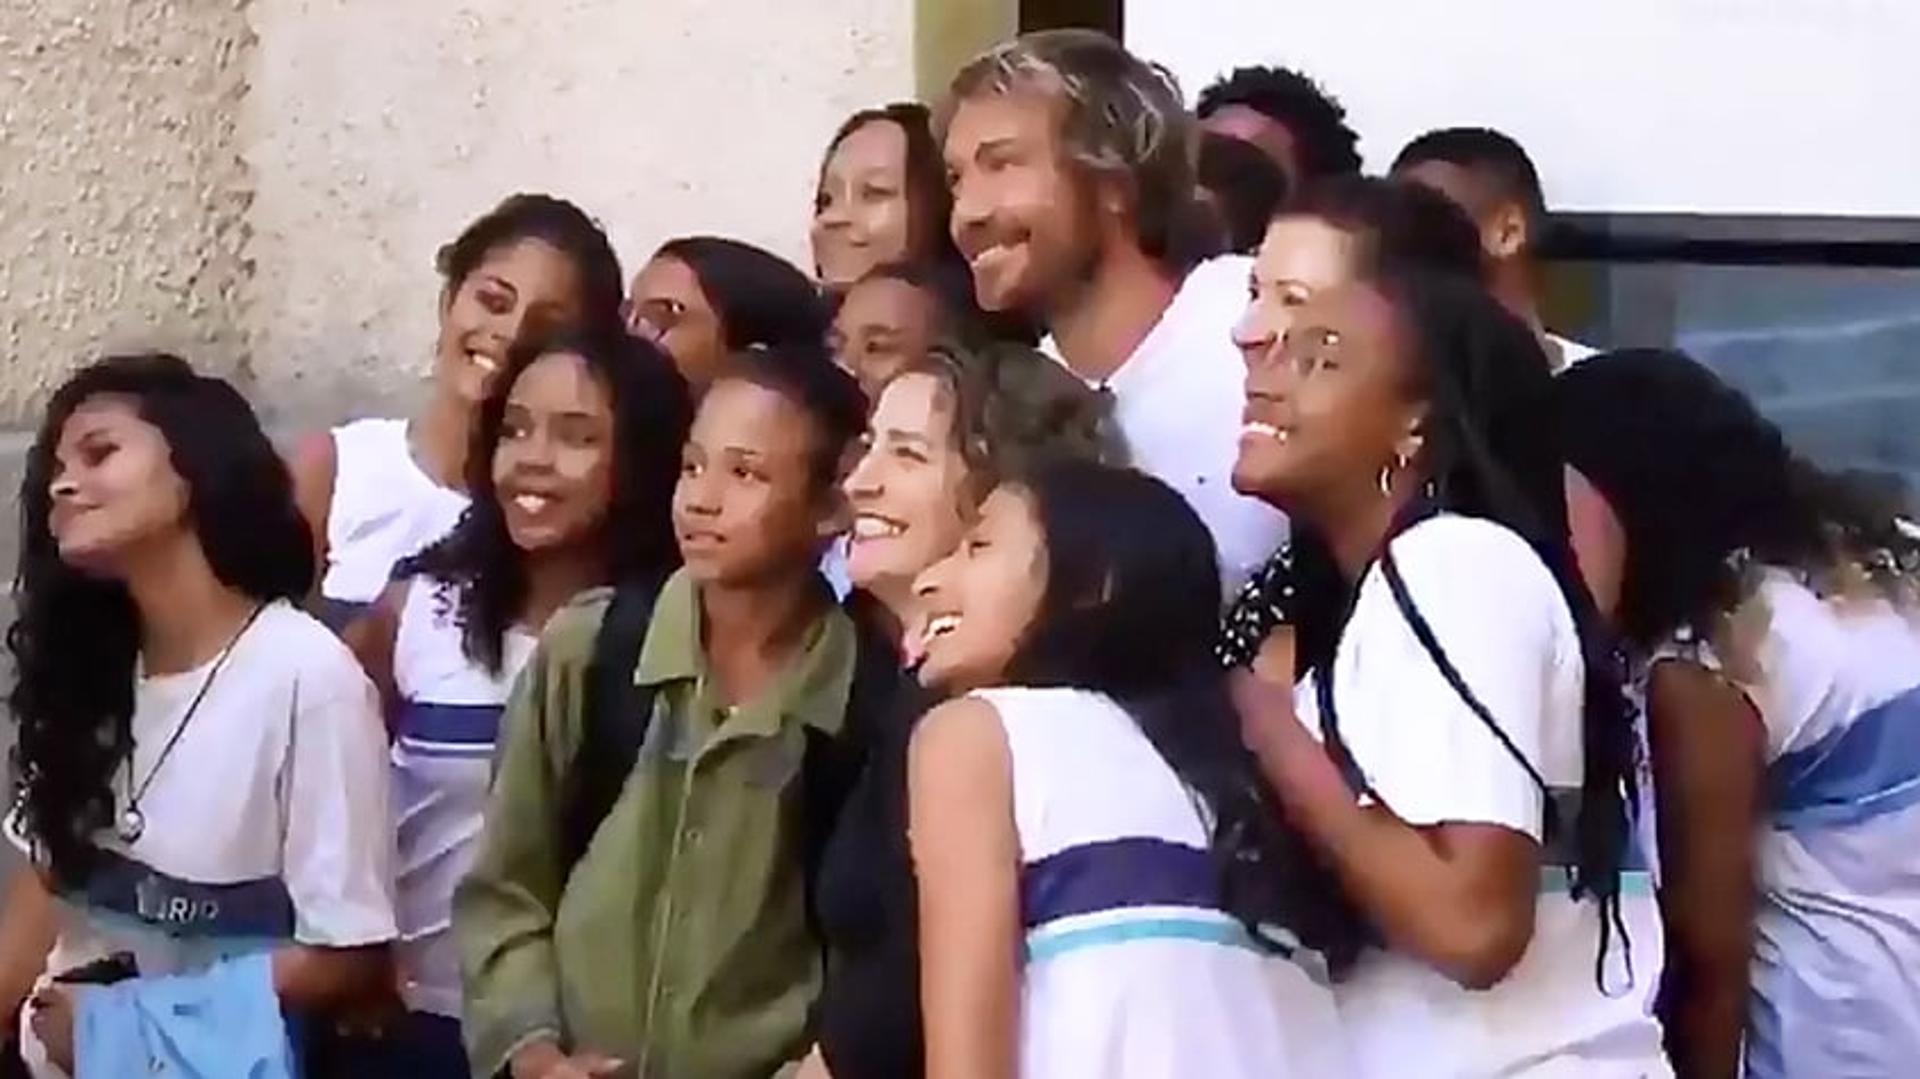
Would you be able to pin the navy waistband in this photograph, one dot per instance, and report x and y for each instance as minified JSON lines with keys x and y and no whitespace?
{"x":1117,"y":873}
{"x":184,"y":908}
{"x":456,"y":724}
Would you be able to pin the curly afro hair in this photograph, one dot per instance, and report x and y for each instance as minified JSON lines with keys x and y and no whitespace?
{"x":1317,"y":121}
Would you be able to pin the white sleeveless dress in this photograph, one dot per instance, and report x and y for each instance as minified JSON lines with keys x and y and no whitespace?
{"x":442,"y":759}
{"x":1133,"y":971}
{"x":384,"y":509}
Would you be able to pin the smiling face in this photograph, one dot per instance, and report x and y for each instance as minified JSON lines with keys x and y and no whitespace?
{"x":884,"y":326}
{"x":669,"y":308}
{"x":1299,"y":258}
{"x":114,"y":490}
{"x":553,"y":464}
{"x":1330,"y":409}
{"x":521,"y":288}
{"x":861,"y":218}
{"x":908,"y":492}
{"x":748,"y":507}
{"x":1024,"y":221}
{"x":980,"y":602}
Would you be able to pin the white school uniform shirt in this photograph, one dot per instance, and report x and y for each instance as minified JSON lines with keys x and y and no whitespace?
{"x":1133,"y":970}
{"x":1569,"y":352}
{"x":442,"y":760}
{"x":384,"y":509}
{"x":1503,"y":623}
{"x":1179,"y":400}
{"x":1836,"y":964}
{"x":278,"y":776}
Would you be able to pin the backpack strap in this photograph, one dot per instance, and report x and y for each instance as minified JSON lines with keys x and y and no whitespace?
{"x":1424,"y":633}
{"x":833,"y":763}
{"x":614,"y":722}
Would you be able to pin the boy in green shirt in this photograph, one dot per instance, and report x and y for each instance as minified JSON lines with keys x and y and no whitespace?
{"x":678,"y":945}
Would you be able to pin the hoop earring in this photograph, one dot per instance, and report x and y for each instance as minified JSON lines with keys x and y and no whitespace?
{"x":1385,"y":479}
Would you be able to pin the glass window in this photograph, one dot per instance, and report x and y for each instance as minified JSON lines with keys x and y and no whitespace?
{"x":1830,"y":352}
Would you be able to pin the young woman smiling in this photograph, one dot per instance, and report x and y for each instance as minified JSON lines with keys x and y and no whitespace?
{"x":377,"y":490}
{"x":940,"y":436}
{"x":1473,"y":769}
{"x":1106,"y":889}
{"x":572,"y":471}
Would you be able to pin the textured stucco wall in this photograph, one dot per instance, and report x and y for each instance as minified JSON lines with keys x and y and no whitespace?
{"x":122,"y":193}
{"x":376,"y":129}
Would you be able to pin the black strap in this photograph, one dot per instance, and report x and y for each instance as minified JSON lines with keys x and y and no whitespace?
{"x":617,"y":713}
{"x":1424,"y":633}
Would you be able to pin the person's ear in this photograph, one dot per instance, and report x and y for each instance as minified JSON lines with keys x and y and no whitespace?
{"x":1508,"y":234}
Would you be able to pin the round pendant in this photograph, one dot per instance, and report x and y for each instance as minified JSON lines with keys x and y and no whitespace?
{"x":132,"y":824}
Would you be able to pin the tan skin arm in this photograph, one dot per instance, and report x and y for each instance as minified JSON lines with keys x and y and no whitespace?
{"x":1458,"y":897}
{"x":314,"y":463}
{"x":27,"y":933}
{"x":371,"y":637}
{"x":966,"y":855}
{"x":1709,"y":752}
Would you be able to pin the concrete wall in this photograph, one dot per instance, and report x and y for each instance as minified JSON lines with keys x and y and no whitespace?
{"x":375,"y":130}
{"x":123,"y":198}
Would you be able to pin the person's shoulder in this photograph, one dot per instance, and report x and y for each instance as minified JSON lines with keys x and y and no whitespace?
{"x":572,"y":629}
{"x":287,"y":632}
{"x":1453,"y":542}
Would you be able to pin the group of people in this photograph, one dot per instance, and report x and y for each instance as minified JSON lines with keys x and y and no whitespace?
{"x":1038,"y":642}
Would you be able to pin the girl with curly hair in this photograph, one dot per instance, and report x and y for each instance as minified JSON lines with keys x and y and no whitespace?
{"x":199,"y":762}
{"x":1779,"y":610}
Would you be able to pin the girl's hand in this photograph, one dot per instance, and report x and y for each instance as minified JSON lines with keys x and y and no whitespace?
{"x":52,"y":1021}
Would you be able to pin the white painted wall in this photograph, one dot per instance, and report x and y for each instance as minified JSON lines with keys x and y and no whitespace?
{"x":1705,"y":106}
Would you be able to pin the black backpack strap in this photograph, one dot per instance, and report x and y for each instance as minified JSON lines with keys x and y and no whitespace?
{"x":614,"y":721}
{"x":833,"y":763}
{"x":1424,"y":633}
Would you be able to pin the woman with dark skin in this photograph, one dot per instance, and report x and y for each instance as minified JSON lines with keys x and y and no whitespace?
{"x":377,"y":490}
{"x":572,"y":471}
{"x":162,"y":557}
{"x":1775,"y":610}
{"x":1472,"y":773}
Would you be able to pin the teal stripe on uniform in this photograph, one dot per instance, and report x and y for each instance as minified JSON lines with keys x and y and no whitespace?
{"x":1043,"y":945}
{"x":1558,"y":880}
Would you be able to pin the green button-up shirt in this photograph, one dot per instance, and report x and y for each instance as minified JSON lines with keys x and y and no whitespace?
{"x":679,"y":943}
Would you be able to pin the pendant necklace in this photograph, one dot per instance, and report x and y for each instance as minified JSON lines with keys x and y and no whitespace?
{"x":132,"y":823}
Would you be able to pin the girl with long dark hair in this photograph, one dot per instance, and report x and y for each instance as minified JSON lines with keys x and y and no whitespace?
{"x":881,"y":197}
{"x":377,"y":490}
{"x":1778,"y":608}
{"x":704,"y":298}
{"x":1475,"y":760}
{"x":1098,"y":814}
{"x":199,"y":766}
{"x":572,"y":470}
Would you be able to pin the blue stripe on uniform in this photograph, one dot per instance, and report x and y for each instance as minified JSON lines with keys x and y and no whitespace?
{"x":1866,"y":769}
{"x":1114,"y":874}
{"x":450,"y":725}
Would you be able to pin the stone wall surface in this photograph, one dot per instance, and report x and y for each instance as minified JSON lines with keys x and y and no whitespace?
{"x":374,"y":130}
{"x":123,"y":197}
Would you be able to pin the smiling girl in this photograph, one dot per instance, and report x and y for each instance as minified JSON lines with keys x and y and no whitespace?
{"x":572,"y":470}
{"x":199,"y":762}
{"x":1105,"y":890}
{"x":377,"y":490}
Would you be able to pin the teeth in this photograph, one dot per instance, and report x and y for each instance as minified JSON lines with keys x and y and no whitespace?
{"x":866,"y":527}
{"x":940,"y":625}
{"x":532,"y":503}
{"x":1264,"y":430}
{"x":483,"y":362}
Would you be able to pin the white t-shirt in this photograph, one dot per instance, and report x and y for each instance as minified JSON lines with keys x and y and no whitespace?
{"x":384,"y":508}
{"x":1836,"y":967}
{"x":1503,"y":623}
{"x":279,"y":775}
{"x":1178,"y":401}
{"x":1569,"y":352}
